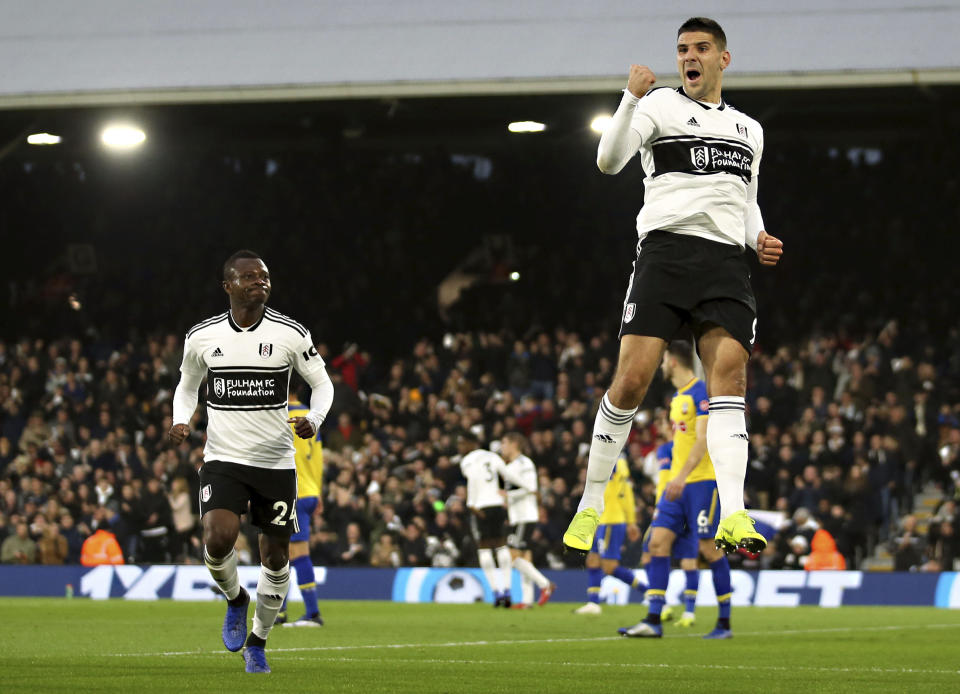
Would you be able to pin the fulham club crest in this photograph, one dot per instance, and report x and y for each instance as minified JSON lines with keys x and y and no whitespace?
{"x":628,"y":312}
{"x":700,"y":157}
{"x":266,"y":349}
{"x":218,"y":387}
{"x":742,"y":129}
{"x":205,"y":494}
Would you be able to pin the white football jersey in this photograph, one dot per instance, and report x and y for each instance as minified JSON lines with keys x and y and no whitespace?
{"x":248,"y":375}
{"x":522,"y":504}
{"x":698,"y":160}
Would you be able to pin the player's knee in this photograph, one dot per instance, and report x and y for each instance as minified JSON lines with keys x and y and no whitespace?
{"x":274,"y":555}
{"x":728,"y":377}
{"x":628,"y":390}
{"x":710,"y":552}
{"x":660,"y":547}
{"x":218,"y":542}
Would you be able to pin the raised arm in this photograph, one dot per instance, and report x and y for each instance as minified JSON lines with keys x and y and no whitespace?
{"x":620,"y":141}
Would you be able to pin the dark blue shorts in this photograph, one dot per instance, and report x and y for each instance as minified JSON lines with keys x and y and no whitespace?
{"x":608,"y":540}
{"x":696,"y":512}
{"x":306,"y":505}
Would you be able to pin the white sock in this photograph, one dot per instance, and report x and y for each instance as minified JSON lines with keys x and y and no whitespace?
{"x":271,"y":590}
{"x":529,"y":572}
{"x":526,"y":590}
{"x":224,"y":572}
{"x":485,"y":557}
{"x":728,"y":444}
{"x":505,"y":561}
{"x":610,"y":432}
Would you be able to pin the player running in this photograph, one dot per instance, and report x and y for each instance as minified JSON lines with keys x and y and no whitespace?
{"x":523,"y":513}
{"x":702,"y":159}
{"x":246,"y":355}
{"x":689,"y":501}
{"x":483,"y":470}
{"x":619,"y":512}
{"x":309,"y":459}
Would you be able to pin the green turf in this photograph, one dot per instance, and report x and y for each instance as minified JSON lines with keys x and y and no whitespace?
{"x":49,"y":645}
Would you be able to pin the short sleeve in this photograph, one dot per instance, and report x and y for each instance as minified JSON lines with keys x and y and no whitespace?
{"x":699,"y":395}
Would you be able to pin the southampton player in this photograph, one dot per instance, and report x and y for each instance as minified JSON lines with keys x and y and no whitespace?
{"x":701,"y":158}
{"x":523,"y":513}
{"x":483,"y":470}
{"x":619,"y":511}
{"x":688,"y":506}
{"x":246,"y":354}
{"x":685,"y":547}
{"x":309,"y":459}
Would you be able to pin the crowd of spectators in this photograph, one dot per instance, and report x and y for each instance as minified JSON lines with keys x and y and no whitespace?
{"x":843,"y":435}
{"x":854,"y":389}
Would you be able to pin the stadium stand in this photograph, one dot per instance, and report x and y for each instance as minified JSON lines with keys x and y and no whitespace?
{"x":854,"y":390}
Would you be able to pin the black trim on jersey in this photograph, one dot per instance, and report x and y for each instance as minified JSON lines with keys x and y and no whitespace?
{"x":705,"y":138}
{"x":651,"y":91}
{"x":702,"y":157}
{"x":206,"y":323}
{"x":244,"y":408}
{"x":286,"y":319}
{"x":237,"y":328}
{"x":248,"y":368}
{"x":281,"y":319}
{"x":702,"y":105}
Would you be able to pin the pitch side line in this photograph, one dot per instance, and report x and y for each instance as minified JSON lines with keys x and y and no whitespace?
{"x":649,"y":666}
{"x":461,"y":644}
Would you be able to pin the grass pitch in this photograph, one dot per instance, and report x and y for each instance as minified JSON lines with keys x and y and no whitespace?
{"x":57,"y":645}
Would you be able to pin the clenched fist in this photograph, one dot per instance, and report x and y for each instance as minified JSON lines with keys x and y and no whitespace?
{"x":640,"y":80}
{"x":178,"y":432}
{"x":769,"y":249}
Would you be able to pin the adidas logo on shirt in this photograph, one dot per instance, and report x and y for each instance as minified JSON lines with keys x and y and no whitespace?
{"x":217,"y":353}
{"x":693,"y":121}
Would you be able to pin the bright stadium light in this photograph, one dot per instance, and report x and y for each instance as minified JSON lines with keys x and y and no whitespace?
{"x":600,"y":123}
{"x":526,"y":126}
{"x":122,"y":136}
{"x":43,"y":139}
{"x":514,"y":275}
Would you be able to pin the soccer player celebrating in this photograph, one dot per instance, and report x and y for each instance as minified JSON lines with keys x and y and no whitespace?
{"x":483,"y":470}
{"x":689,"y":501}
{"x":619,"y":511}
{"x":309,"y":460}
{"x":246,"y":354}
{"x":702,"y":159}
{"x":523,"y":513}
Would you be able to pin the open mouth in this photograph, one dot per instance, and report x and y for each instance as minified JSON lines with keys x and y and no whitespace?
{"x":692,"y":74}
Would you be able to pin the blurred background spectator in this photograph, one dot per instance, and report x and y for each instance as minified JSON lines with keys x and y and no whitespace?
{"x":853,"y":393}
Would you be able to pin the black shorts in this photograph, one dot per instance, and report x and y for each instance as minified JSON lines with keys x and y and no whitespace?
{"x":491,"y":526}
{"x":271,"y":494}
{"x":681,"y":280}
{"x":520,"y":534}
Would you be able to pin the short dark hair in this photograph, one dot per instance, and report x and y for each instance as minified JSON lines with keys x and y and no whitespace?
{"x":235,"y":257}
{"x":682,"y":351}
{"x":518,"y":439}
{"x":707,"y":25}
{"x":469,"y":436}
